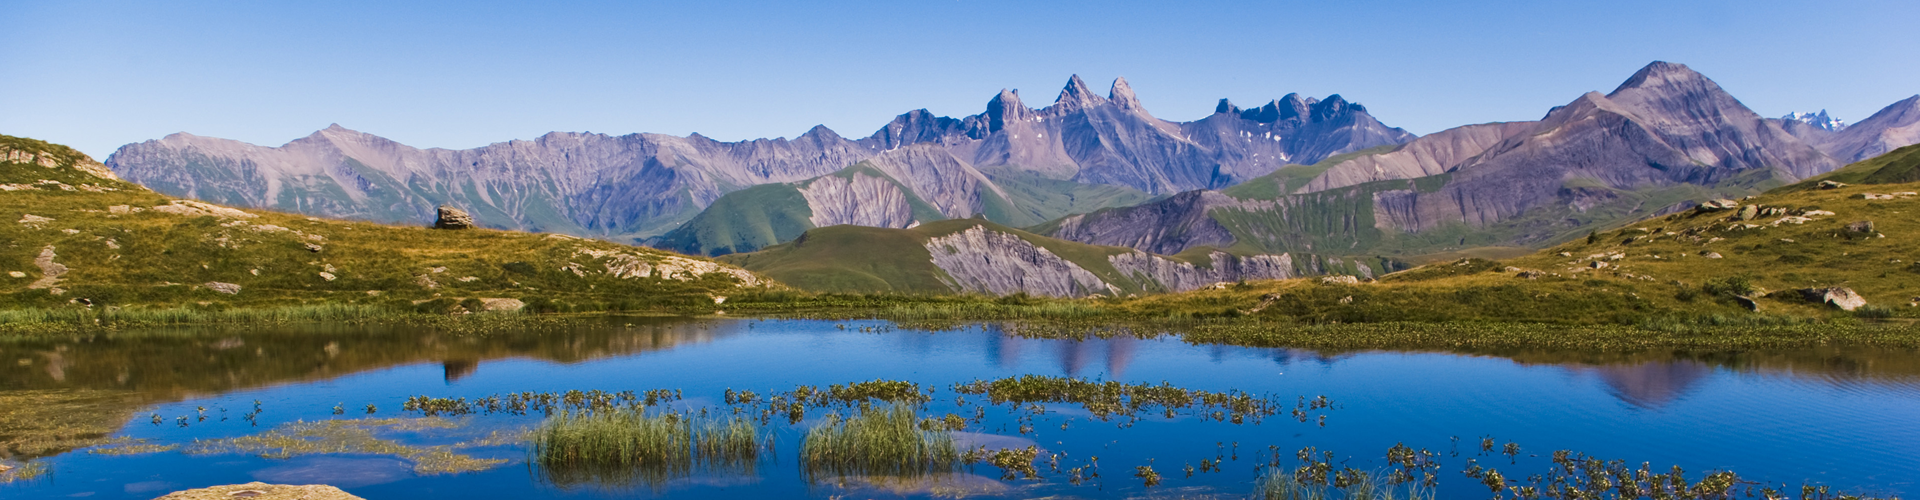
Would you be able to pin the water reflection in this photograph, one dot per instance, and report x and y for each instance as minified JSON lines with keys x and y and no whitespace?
{"x":1653,"y":385}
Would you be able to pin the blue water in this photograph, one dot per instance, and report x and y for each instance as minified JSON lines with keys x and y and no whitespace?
{"x":1850,"y":419}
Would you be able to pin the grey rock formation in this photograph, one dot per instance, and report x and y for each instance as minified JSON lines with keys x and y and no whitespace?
{"x":983,"y":261}
{"x":1166,"y":227}
{"x":1174,"y":276}
{"x":452,"y":218}
{"x":642,"y":185}
{"x":226,"y":288}
{"x":50,"y":271}
{"x":858,"y":199}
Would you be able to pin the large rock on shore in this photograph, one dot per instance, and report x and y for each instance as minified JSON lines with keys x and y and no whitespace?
{"x":453,"y":218}
{"x":262,"y":491}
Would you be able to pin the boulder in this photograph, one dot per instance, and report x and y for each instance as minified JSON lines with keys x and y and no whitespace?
{"x":1718,"y":205}
{"x":1339,"y":280}
{"x":1832,"y":185}
{"x":1747,"y":302}
{"x":1531,"y":274}
{"x":453,"y":218}
{"x":1838,"y":296}
{"x":503,"y":304}
{"x":226,"y":288}
{"x":1749,"y":212}
{"x":262,"y":491}
{"x":1865,"y":226}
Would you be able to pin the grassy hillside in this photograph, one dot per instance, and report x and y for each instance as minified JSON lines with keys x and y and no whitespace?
{"x":1897,"y":166}
{"x":74,"y":241}
{"x":1037,"y":199}
{"x":1694,"y":267}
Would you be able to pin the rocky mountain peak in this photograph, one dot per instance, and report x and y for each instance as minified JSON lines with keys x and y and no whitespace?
{"x":820,"y":133}
{"x":1662,"y":74}
{"x":1818,"y":120}
{"x":1006,"y":107}
{"x":1226,"y":106}
{"x":1122,"y":95}
{"x":1331,"y":108}
{"x":1077,"y":96}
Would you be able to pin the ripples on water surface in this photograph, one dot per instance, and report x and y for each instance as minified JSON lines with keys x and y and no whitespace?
{"x":1844,"y":417}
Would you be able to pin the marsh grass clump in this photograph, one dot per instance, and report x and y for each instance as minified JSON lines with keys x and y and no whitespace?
{"x":14,"y":472}
{"x":629,"y":446}
{"x":350,"y":437}
{"x":876,"y":442}
{"x":1108,"y":399}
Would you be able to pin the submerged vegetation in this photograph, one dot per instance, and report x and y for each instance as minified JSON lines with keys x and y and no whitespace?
{"x":1108,"y":399}
{"x":350,"y":437}
{"x":628,"y":446}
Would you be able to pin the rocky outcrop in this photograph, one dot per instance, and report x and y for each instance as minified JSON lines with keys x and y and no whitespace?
{"x":1175,"y":276}
{"x":226,"y":288}
{"x":1167,"y":227}
{"x":979,"y":260}
{"x":1839,"y":296}
{"x":50,"y":271}
{"x":857,"y":199}
{"x":262,"y":491}
{"x":452,"y":218}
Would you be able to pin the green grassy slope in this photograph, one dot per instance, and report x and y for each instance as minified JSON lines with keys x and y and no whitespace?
{"x":1897,"y":166}
{"x":742,"y":221}
{"x":1037,"y":199}
{"x":120,"y":252}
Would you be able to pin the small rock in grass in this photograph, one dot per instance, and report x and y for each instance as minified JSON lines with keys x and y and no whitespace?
{"x":327,"y":276}
{"x":1339,"y":280}
{"x":1838,"y":296}
{"x":226,"y":288}
{"x":1832,"y":185}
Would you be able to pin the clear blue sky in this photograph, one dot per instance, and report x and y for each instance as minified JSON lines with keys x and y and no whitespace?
{"x":463,"y":74}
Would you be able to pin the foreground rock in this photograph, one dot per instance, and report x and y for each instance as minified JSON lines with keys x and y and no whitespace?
{"x":1839,"y":296}
{"x":262,"y":491}
{"x":453,"y":218}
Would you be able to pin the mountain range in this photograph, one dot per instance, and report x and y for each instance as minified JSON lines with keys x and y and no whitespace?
{"x":637,"y":186}
{"x":1132,"y":202}
{"x":1666,"y":138}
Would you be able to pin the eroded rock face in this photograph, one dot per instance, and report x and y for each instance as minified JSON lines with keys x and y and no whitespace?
{"x":1166,"y":227}
{"x":1176,"y":276}
{"x":862,"y":200}
{"x":983,"y":261}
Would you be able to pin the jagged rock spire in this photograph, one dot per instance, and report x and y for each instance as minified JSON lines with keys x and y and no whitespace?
{"x":1226,"y":106}
{"x":1077,"y":95}
{"x":1004,"y":108}
{"x":1122,"y":95}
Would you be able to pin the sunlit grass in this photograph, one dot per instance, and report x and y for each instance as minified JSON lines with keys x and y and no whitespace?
{"x":876,"y":442}
{"x":628,"y":446}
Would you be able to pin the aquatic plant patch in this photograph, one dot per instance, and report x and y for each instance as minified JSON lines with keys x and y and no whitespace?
{"x":349,"y":436}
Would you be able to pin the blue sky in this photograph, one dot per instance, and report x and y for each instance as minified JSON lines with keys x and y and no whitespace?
{"x":97,"y":75}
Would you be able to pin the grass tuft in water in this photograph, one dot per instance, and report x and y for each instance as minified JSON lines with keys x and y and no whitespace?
{"x":877,"y":442}
{"x":629,"y":446}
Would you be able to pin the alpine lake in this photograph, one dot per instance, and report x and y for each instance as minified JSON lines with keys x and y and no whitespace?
{"x":387,"y":412}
